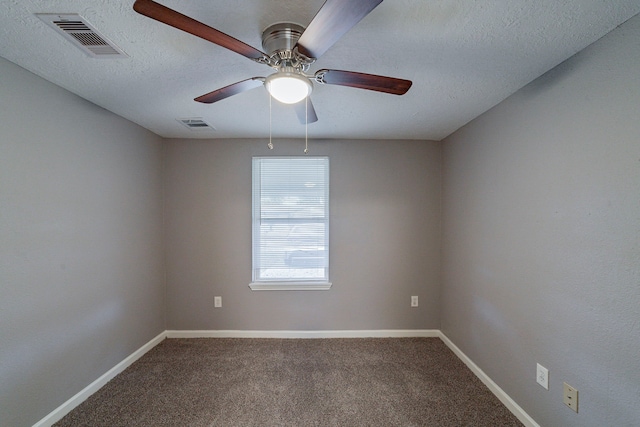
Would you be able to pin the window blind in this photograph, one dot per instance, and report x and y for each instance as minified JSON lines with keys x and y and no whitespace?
{"x":290,"y":219}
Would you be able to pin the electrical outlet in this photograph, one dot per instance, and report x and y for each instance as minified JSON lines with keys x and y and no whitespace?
{"x":414,"y":301}
{"x":542,"y":376}
{"x":570,"y":397}
{"x":217,"y":302}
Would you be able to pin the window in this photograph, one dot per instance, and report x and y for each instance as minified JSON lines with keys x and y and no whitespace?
{"x":290,"y":223}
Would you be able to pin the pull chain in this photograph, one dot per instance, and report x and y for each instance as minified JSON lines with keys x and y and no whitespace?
{"x":270,"y":144}
{"x":306,"y":125}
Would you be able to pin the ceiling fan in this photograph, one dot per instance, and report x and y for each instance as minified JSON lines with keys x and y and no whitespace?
{"x":291,"y":51}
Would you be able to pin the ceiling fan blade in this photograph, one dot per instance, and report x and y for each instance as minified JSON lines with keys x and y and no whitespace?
{"x":227,"y":91}
{"x":364,"y":81}
{"x":332,"y":21}
{"x":182,"y":22}
{"x":305,"y":111}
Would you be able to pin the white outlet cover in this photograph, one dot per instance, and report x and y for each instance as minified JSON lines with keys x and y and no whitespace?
{"x":542,"y":376}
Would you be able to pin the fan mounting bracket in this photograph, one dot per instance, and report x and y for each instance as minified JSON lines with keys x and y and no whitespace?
{"x":319,"y":76}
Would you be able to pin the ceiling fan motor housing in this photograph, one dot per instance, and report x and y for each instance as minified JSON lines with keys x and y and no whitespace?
{"x":279,"y":40}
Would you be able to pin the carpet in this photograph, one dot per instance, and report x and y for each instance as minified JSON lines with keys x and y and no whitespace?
{"x":294,"y":382}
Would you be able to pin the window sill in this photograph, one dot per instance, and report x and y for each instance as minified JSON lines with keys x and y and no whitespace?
{"x":290,"y":286}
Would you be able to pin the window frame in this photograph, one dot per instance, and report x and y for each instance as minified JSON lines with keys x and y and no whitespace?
{"x":260,"y":284}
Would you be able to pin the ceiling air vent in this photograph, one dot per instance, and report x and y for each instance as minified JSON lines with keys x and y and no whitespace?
{"x":196,"y":123}
{"x":77,"y":30}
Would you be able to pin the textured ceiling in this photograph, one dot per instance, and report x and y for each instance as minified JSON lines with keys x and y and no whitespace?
{"x":463,"y":56}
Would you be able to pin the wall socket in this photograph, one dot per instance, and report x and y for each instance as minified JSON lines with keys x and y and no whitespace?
{"x":542,"y":376}
{"x":570,"y":396}
{"x":217,"y":302}
{"x":414,"y":301}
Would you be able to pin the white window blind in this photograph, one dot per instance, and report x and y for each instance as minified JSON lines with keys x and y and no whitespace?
{"x":291,"y":220}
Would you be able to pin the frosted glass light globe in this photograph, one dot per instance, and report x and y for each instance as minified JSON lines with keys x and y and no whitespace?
{"x":287,"y":87}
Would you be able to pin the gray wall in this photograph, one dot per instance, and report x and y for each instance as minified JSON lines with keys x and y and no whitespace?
{"x":538,"y":237}
{"x":81,"y":267}
{"x":384,"y":242}
{"x":541,"y":255}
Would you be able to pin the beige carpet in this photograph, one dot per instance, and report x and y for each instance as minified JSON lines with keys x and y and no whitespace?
{"x":294,"y":382}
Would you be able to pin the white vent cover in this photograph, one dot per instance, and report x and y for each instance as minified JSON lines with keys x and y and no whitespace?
{"x":78,"y":31}
{"x":196,"y":123}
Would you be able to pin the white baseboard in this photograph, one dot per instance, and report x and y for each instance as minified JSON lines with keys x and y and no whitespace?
{"x":383,"y":333}
{"x":495,"y":389}
{"x":83,"y":394}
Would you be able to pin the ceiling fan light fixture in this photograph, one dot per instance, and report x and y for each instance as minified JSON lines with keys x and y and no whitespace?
{"x":288,"y":87}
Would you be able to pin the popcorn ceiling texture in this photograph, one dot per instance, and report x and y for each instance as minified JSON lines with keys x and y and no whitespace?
{"x":463,"y":56}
